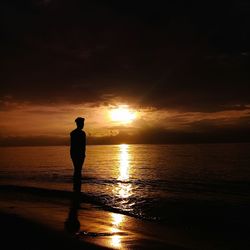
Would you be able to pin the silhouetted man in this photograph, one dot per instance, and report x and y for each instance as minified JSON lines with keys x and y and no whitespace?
{"x":77,"y":151}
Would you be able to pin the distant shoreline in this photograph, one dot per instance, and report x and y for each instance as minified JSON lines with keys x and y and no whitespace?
{"x":146,"y":137}
{"x":110,"y":144}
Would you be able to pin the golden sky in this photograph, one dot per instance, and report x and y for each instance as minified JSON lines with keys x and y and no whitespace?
{"x":58,"y":120}
{"x":180,"y":73}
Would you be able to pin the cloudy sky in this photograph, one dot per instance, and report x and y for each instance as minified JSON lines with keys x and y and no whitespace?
{"x":182,"y":67}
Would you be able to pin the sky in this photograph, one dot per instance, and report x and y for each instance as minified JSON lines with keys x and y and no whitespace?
{"x":181,"y":66}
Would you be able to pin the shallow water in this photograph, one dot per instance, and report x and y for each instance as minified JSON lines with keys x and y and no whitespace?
{"x":137,"y":179}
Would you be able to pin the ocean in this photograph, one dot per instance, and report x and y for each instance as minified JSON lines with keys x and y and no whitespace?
{"x":138,"y":180}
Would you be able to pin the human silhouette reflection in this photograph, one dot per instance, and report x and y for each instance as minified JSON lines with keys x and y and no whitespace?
{"x":72,"y":224}
{"x":77,"y":152}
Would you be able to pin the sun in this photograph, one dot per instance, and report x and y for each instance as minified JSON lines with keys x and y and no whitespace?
{"x":122,"y":114}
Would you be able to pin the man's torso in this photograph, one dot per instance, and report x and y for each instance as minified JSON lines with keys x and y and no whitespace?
{"x":77,"y":143}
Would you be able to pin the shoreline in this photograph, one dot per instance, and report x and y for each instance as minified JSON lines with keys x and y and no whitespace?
{"x":99,"y":229}
{"x":107,"y":229}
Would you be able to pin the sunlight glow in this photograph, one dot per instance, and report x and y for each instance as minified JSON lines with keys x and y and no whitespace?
{"x":124,"y":162}
{"x":124,"y":189}
{"x":116,"y":241}
{"x":122,"y":114}
{"x":117,"y":220}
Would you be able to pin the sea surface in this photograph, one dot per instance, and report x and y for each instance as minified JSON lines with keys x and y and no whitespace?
{"x":139,"y":180}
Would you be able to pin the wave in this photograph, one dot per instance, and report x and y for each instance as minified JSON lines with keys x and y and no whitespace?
{"x":162,"y":211}
{"x":241,"y":188}
{"x":62,"y":194}
{"x":144,"y":192}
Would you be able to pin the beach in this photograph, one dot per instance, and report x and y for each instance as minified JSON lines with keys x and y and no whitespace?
{"x":44,"y":219}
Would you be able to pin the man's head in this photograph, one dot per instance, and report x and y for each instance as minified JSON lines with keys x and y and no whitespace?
{"x":79,"y":122}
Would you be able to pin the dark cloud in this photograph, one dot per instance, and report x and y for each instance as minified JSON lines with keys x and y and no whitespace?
{"x":221,"y":124}
{"x":186,"y":55}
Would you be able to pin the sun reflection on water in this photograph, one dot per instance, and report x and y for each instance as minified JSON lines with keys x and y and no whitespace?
{"x":124,"y":162}
{"x":117,"y":221}
{"x":122,"y":190}
{"x":116,"y":241}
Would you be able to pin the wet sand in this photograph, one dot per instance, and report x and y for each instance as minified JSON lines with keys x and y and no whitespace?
{"x":41,"y":221}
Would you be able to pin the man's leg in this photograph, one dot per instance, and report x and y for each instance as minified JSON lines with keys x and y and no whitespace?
{"x":77,"y":174}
